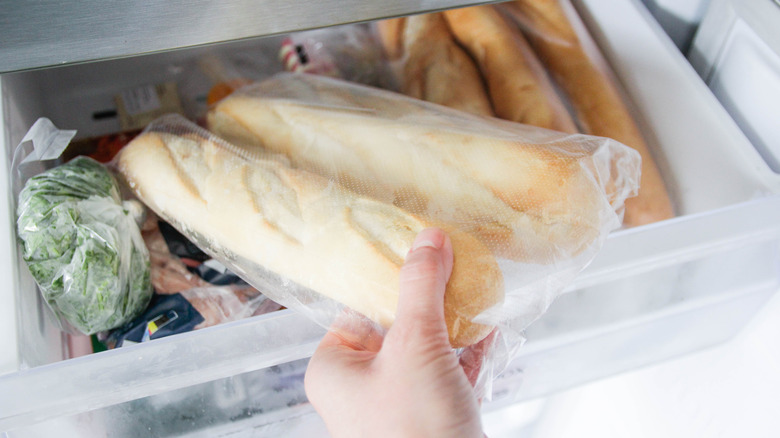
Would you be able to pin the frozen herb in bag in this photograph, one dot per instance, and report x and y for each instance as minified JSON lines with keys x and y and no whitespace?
{"x":83,"y":247}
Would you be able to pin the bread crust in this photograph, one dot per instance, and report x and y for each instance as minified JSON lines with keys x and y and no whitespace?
{"x":519,"y":87}
{"x":598,"y":104}
{"x":438,"y":70}
{"x":390,"y":32}
{"x":303,"y":228}
{"x":528,"y":202}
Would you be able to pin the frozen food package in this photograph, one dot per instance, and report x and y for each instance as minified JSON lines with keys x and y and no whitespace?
{"x":178,"y":265}
{"x":351,"y":52}
{"x":90,"y":237}
{"x":567,"y":50}
{"x":530,"y":194}
{"x":191,"y":309}
{"x":288,"y":231}
{"x":317,"y":195}
{"x":192,"y":290}
{"x":79,"y":240}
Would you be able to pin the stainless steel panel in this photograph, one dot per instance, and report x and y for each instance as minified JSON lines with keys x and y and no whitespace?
{"x":37,"y":34}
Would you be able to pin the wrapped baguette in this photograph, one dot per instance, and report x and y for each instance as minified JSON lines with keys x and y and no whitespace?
{"x":436,"y":68}
{"x":550,"y":28}
{"x":518,"y":85}
{"x":530,"y":194}
{"x":300,"y":227}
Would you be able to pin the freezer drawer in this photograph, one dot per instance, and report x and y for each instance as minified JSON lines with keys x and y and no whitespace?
{"x":652,"y":293}
{"x":679,"y":19}
{"x":737,"y":53}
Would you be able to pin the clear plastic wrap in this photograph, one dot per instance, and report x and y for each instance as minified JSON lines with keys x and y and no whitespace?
{"x":104,"y":271}
{"x":80,"y":242}
{"x":530,"y":194}
{"x":351,"y":52}
{"x":324,"y":185}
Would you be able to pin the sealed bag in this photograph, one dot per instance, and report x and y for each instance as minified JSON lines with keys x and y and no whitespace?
{"x":350,"y":52}
{"x":296,"y":235}
{"x":315,"y":188}
{"x":83,"y":246}
{"x":530,"y":194}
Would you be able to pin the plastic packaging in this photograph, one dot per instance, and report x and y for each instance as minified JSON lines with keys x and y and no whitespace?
{"x":530,"y":194}
{"x":353,"y":53}
{"x":179,"y":265}
{"x":361,"y":136}
{"x":193,"y":291}
{"x":190,"y":309}
{"x":96,"y":236}
{"x":83,"y":246}
{"x":273,"y":224}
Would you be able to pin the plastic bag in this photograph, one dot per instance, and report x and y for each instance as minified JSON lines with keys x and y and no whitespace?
{"x":531,"y":194}
{"x":380,"y":159}
{"x":81,"y":243}
{"x":272,"y":223}
{"x":351,"y":52}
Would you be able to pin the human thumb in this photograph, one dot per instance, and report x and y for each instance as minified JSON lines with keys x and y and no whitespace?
{"x":423,"y":280}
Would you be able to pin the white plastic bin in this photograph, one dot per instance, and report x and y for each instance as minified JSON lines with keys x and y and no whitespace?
{"x":737,"y":53}
{"x":679,"y":18}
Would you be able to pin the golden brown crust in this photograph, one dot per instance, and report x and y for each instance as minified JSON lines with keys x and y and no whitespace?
{"x":526,"y":202}
{"x":595,"y":98}
{"x":437,"y":70}
{"x":390,"y":33}
{"x":460,"y":304}
{"x":518,"y":86}
{"x":299,"y":226}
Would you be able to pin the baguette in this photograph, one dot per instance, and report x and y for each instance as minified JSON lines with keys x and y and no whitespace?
{"x":595,"y":98}
{"x":303,"y":228}
{"x":436,"y":68}
{"x":531,"y":202}
{"x":519,"y":86}
{"x":390,"y":32}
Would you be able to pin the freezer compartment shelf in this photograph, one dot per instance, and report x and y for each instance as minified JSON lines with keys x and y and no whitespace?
{"x":57,"y":33}
{"x":653,"y":292}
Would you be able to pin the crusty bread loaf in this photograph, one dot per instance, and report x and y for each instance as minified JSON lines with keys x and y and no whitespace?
{"x":532,"y":202}
{"x":303,"y":228}
{"x":438,"y":70}
{"x":518,"y":85}
{"x":593,"y":94}
{"x":390,"y":32}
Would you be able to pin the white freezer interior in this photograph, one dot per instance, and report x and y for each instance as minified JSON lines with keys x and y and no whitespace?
{"x":654,"y":292}
{"x":737,"y":53}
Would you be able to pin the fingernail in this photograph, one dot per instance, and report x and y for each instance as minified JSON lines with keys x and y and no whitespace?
{"x":429,"y":237}
{"x":422,"y":243}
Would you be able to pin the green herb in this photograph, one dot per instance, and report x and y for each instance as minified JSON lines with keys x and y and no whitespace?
{"x":82,"y":247}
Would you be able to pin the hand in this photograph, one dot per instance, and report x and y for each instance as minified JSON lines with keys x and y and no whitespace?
{"x":410,"y":386}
